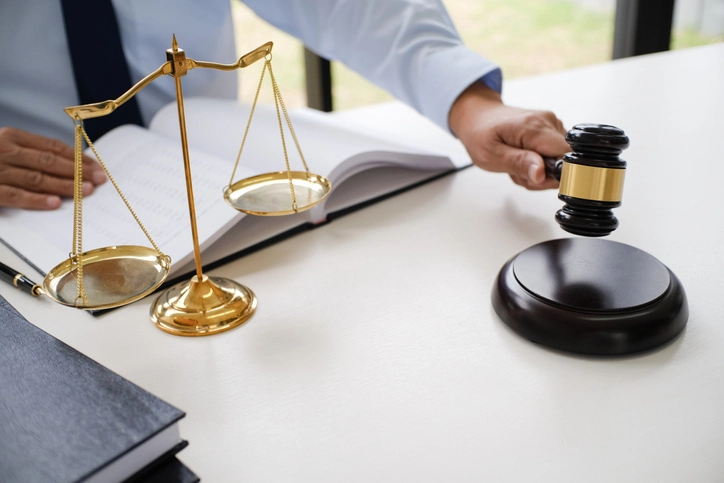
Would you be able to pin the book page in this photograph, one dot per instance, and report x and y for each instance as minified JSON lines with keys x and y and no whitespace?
{"x":368,"y":185}
{"x":218,"y":126}
{"x":408,"y":127}
{"x":149,"y":170}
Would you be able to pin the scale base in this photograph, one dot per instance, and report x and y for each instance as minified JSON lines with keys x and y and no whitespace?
{"x":203,"y":307}
{"x":590,"y":296}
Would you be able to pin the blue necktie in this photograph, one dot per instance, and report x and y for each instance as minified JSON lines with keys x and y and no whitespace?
{"x":99,"y":66}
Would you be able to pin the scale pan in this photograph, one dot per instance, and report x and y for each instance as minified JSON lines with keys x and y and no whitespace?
{"x":269,"y":194}
{"x":112,"y":276}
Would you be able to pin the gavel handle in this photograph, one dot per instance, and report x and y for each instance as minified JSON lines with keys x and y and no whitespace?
{"x":553,"y":167}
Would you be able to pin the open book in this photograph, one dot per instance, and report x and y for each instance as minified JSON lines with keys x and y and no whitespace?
{"x":363,"y":164}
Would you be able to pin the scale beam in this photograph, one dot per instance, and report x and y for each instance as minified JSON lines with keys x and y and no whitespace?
{"x":99,"y":109}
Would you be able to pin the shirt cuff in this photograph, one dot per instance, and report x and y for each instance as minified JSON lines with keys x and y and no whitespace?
{"x":447,"y":74}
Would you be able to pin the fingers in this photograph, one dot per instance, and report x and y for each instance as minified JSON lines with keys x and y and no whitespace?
{"x":13,"y":197}
{"x":46,"y":155}
{"x":547,"y":183}
{"x":35,"y":171}
{"x":538,"y":131}
{"x":522,"y":141}
{"x":40,"y":182}
{"x":526,"y":168}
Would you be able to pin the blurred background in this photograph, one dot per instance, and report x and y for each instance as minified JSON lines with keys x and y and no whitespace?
{"x":524,"y":37}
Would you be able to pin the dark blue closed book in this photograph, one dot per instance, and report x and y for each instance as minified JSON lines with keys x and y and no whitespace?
{"x":66,"y":418}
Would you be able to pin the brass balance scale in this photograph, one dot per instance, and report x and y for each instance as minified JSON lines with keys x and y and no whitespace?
{"x":113,"y":276}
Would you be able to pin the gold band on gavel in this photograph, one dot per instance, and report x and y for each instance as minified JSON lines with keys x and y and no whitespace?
{"x":592,"y":183}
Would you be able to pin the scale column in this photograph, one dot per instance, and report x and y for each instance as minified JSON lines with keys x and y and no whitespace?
{"x":204,"y":305}
{"x":177,"y":58}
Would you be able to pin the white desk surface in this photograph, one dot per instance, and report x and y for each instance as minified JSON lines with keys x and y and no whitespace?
{"x":375,"y":354}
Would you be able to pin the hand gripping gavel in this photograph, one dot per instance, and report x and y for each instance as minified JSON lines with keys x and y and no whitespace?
{"x":591,"y":179}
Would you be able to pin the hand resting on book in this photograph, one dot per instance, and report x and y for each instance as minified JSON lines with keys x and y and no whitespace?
{"x":35,"y":171}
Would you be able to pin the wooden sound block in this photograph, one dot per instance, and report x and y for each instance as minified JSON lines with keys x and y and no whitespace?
{"x":590,"y":296}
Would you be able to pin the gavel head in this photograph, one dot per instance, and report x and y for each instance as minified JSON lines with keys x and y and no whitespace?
{"x":591,"y":179}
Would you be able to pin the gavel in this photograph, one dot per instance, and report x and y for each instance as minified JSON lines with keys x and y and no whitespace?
{"x":588,"y":295}
{"x":591,"y":179}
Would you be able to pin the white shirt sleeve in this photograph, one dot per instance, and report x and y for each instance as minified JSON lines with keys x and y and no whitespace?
{"x":408,"y":47}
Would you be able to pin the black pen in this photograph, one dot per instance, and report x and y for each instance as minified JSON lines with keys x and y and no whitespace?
{"x":19,"y":280}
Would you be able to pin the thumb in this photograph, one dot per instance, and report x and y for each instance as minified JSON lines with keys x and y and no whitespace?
{"x":523,"y":165}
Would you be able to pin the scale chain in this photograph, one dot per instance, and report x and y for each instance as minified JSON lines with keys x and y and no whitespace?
{"x":281,"y":132}
{"x":278,"y":95}
{"x":248,"y":124}
{"x":278,"y":103}
{"x":123,"y":197}
{"x":77,"y":252}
